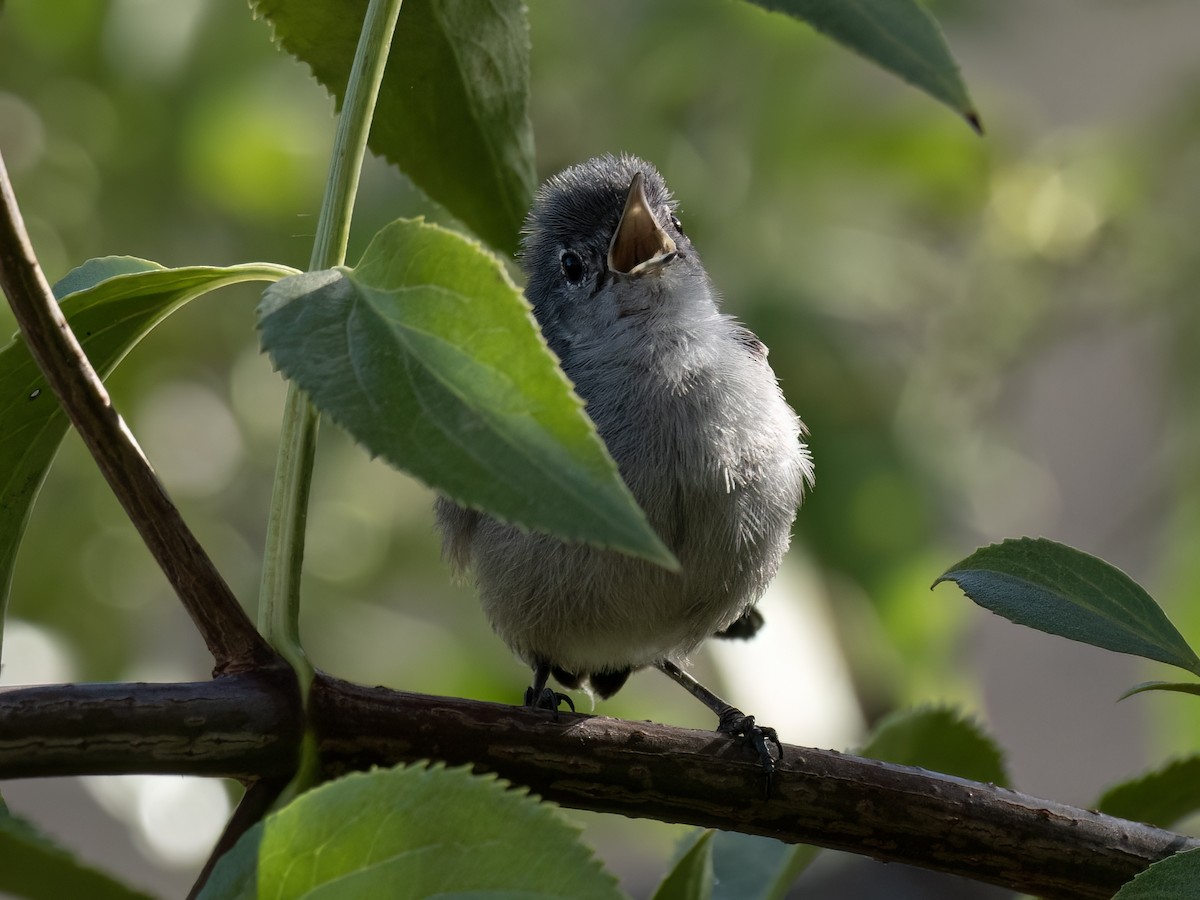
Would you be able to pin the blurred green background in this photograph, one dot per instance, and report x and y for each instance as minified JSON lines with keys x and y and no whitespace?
{"x":986,"y":337}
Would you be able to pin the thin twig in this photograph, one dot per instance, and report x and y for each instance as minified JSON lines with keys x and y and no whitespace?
{"x":224,"y":625}
{"x":637,"y":769}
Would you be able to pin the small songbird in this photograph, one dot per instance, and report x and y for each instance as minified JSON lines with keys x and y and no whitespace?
{"x":691,"y":412}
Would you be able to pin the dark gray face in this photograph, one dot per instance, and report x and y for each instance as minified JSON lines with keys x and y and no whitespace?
{"x":569,"y":235}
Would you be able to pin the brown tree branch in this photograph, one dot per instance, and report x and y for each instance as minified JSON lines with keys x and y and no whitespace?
{"x":248,"y":727}
{"x":224,"y":625}
{"x":242,"y":726}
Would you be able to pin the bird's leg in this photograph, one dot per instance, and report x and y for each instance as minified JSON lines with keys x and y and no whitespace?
{"x":540,"y":695}
{"x":731,"y":720}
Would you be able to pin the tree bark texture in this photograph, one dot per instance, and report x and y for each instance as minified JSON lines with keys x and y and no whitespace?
{"x":249,"y":726}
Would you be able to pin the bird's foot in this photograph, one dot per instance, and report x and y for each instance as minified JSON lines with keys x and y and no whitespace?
{"x":547,"y":699}
{"x":737,"y":723}
{"x":730,"y":719}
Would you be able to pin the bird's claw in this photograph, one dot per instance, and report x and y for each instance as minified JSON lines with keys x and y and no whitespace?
{"x":548,"y":699}
{"x":737,"y":723}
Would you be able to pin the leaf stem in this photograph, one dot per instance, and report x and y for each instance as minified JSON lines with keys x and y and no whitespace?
{"x":279,"y":598}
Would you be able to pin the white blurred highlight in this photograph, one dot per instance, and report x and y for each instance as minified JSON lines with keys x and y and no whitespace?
{"x":174,"y":820}
{"x":792,"y":675}
{"x":150,"y":40}
{"x":34,"y":655}
{"x":191,"y":437}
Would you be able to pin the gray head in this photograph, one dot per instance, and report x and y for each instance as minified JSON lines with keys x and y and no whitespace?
{"x":605,"y":254}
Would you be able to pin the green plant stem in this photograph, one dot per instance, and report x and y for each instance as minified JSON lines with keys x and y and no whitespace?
{"x":279,"y":599}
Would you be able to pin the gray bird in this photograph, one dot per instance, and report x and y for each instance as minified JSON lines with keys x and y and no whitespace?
{"x":689,"y":408}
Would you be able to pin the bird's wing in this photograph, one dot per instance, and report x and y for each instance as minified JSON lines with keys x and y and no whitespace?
{"x":744,"y":626}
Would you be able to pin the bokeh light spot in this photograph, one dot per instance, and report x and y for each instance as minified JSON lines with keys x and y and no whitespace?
{"x":22,"y":135}
{"x":34,"y":655}
{"x":152,"y":806}
{"x":191,"y":437}
{"x":255,"y":154}
{"x":148,"y":39}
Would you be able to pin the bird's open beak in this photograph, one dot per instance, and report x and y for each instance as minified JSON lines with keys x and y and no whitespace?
{"x":640,"y":245}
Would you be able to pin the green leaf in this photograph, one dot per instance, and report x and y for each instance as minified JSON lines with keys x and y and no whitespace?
{"x":898,"y":35}
{"x":691,"y":878}
{"x":1064,"y":591}
{"x":1182,"y":687}
{"x":752,"y":867}
{"x":939,"y":739}
{"x":35,"y":867}
{"x":111,"y":304}
{"x":412,"y":832}
{"x":1162,"y":797}
{"x":1173,"y":878}
{"x":749,"y":866}
{"x":429,"y":356}
{"x":453,"y":109}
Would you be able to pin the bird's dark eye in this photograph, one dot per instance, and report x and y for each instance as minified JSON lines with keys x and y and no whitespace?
{"x":572,"y":266}
{"x":678,"y":225}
